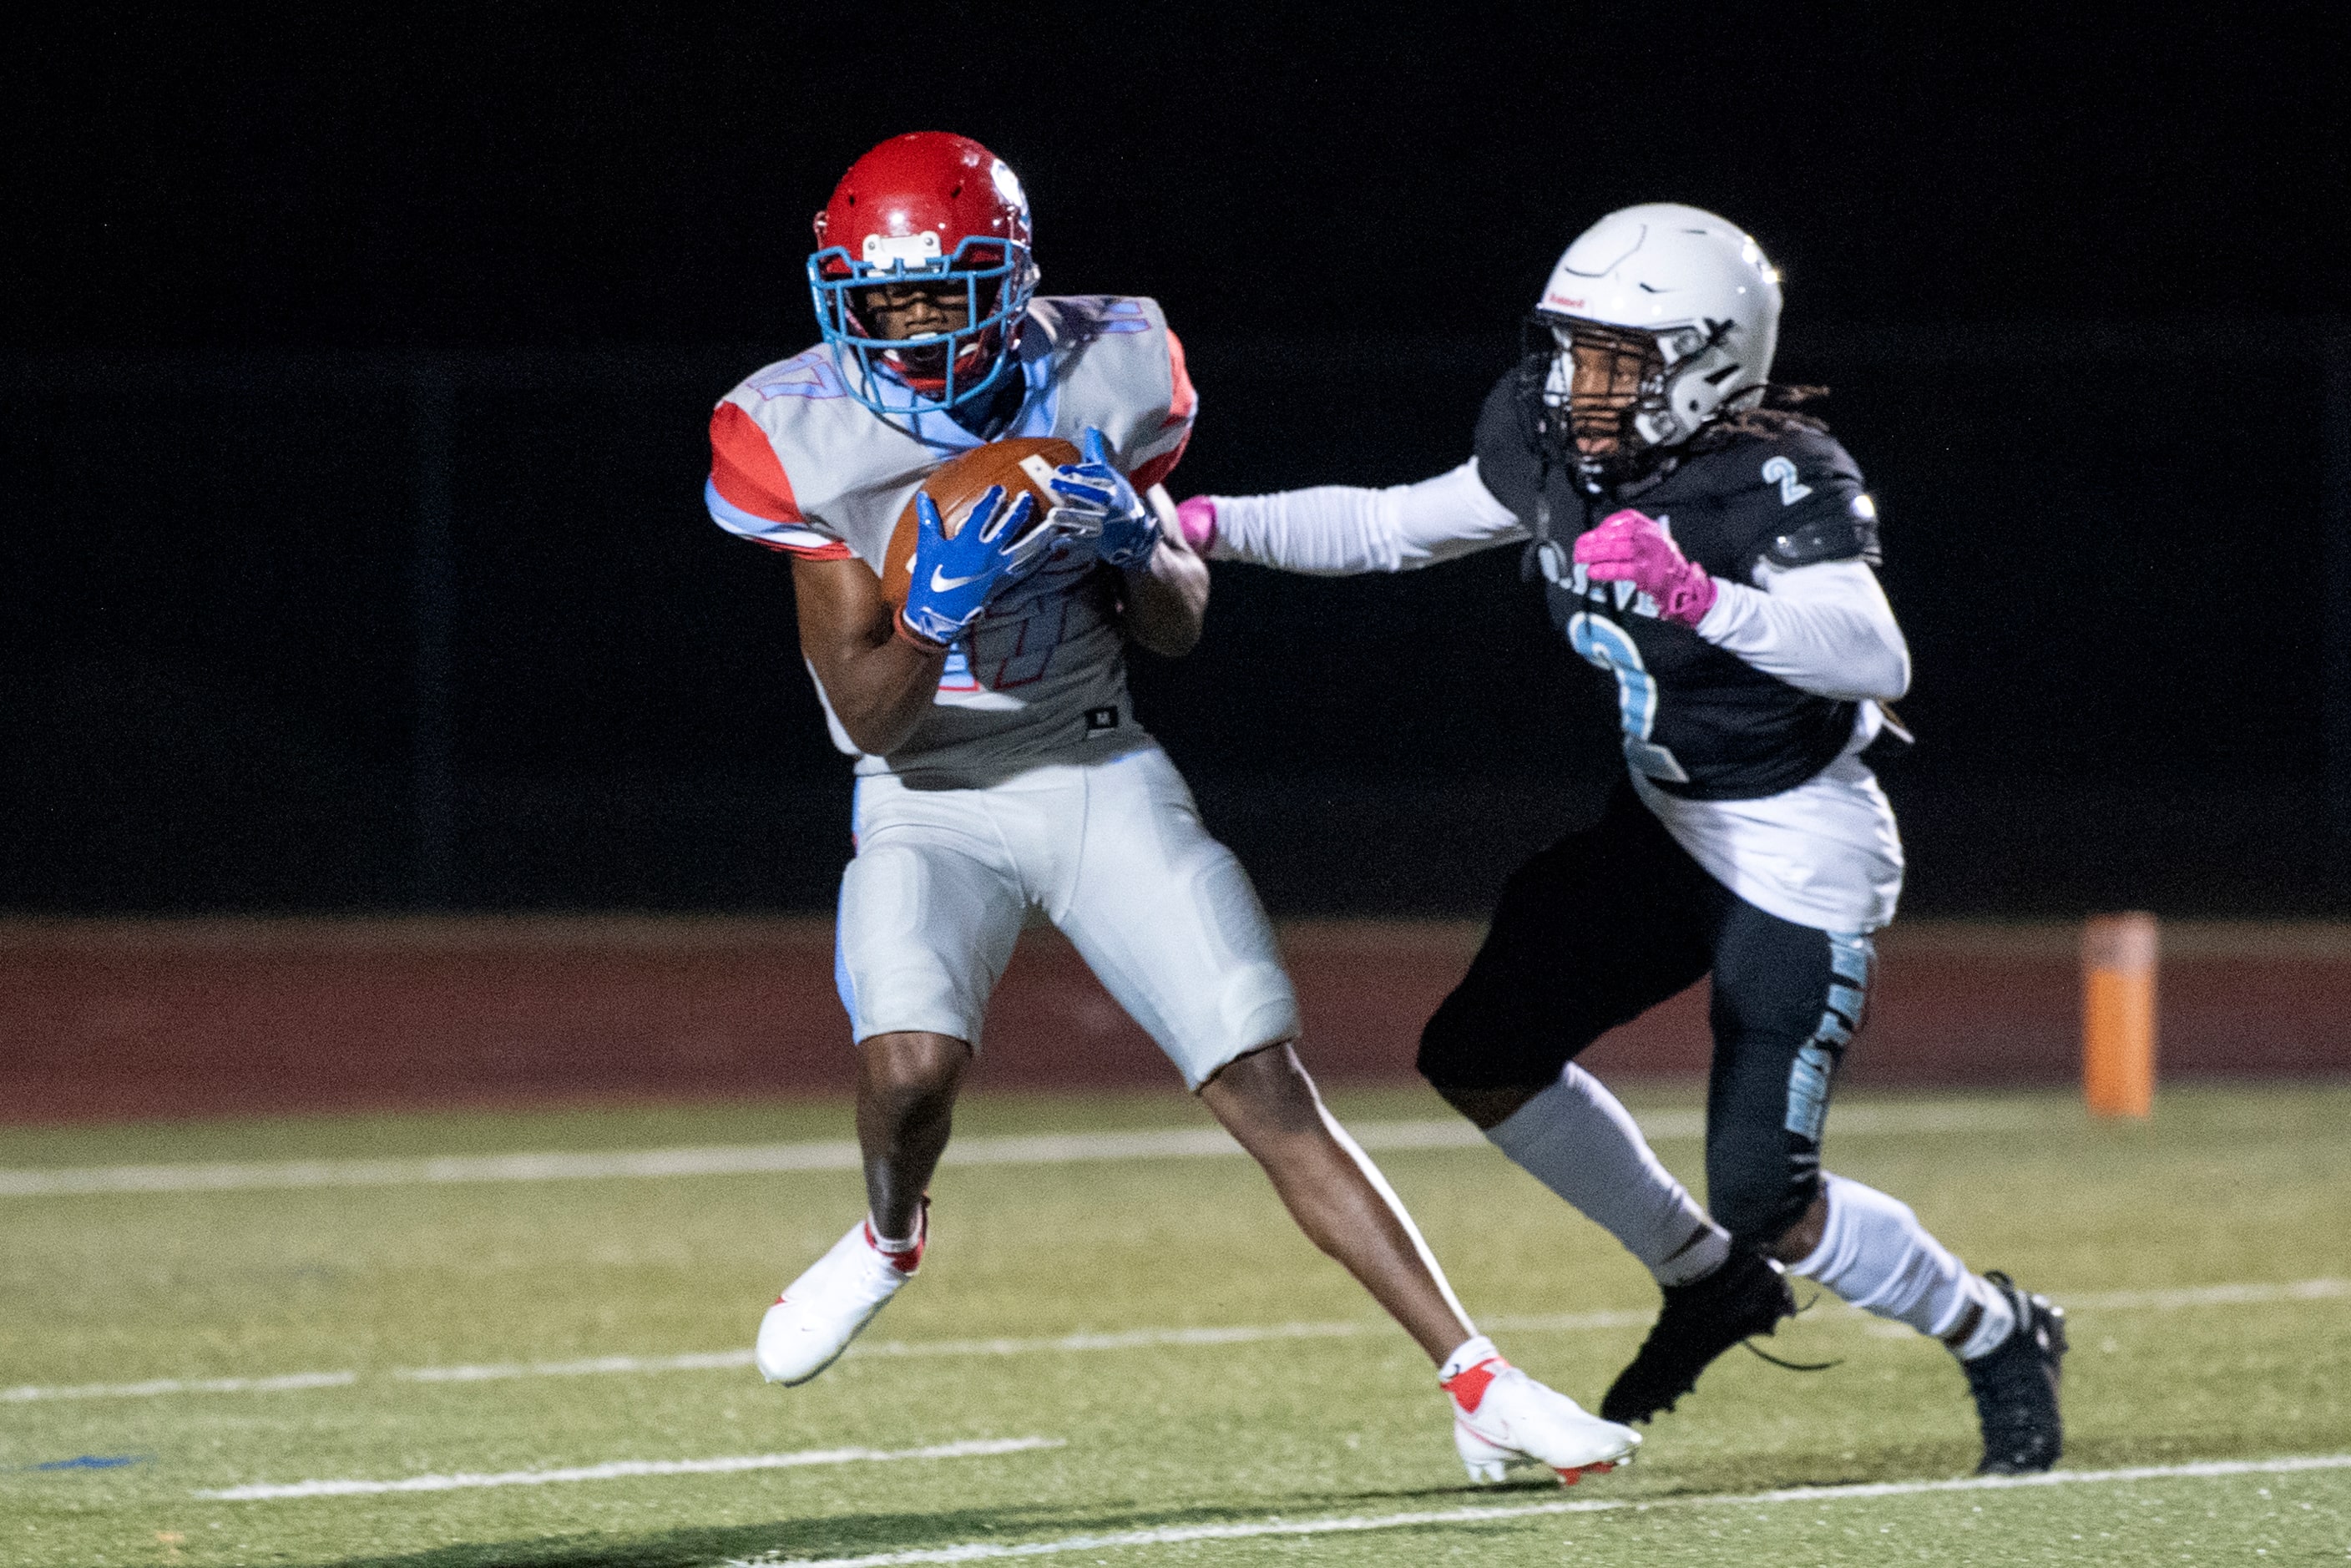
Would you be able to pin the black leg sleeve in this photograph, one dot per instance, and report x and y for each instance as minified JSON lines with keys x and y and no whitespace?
{"x":1787,"y":1000}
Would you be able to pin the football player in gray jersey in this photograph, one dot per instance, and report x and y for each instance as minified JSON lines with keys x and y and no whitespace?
{"x":1713,"y":557}
{"x":999,"y":768}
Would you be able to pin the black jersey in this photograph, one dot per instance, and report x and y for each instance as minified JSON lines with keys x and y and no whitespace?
{"x":1699,"y":722}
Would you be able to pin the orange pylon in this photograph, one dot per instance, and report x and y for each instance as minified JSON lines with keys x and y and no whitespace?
{"x":2118,"y":1014}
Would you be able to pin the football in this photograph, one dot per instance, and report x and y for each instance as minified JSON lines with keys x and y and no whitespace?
{"x":1024,"y":463}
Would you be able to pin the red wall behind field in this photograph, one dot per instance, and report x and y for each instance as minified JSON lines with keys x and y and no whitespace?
{"x":174,"y":1018}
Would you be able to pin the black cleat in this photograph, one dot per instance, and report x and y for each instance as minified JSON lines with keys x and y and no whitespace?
{"x":2015,"y":1387}
{"x":1747,"y":1295}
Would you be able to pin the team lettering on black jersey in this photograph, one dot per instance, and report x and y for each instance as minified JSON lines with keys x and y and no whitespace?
{"x":1697,"y":722}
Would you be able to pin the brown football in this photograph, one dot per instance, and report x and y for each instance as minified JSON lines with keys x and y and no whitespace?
{"x":1025,"y":463}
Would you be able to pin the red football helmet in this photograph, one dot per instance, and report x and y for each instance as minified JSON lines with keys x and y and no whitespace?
{"x":927,"y":206}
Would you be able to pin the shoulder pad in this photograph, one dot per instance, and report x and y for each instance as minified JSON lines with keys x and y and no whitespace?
{"x":1849,"y":535}
{"x":1811,"y":491}
{"x":1796,"y":464}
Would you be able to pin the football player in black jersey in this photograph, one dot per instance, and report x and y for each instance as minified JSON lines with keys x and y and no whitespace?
{"x":1709,"y":549}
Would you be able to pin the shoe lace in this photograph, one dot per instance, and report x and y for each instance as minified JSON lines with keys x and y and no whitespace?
{"x":1762,"y":1354}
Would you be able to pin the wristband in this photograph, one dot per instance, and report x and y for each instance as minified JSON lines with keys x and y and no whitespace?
{"x":907,"y":634}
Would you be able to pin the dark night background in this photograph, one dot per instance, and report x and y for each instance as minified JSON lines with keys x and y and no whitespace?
{"x":353,"y":375}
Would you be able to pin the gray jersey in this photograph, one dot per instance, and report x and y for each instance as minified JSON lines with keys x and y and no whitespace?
{"x":799,"y":466}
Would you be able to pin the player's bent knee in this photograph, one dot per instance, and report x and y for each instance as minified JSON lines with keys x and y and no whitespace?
{"x":1454,"y":1058}
{"x":1261,"y":1074}
{"x":1760,"y":1210}
{"x":1479,"y":1037}
{"x":1803,"y":1239}
{"x":913,"y":1061}
{"x":1264,"y":1092}
{"x":1444,"y":1059}
{"x":1488,"y":1108}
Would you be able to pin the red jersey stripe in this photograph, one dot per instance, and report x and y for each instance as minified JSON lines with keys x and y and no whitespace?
{"x":833,"y":551}
{"x":744,"y":470}
{"x":1182,"y":400}
{"x":1156,"y":471}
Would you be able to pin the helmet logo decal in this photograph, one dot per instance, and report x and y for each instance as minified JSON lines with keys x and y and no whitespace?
{"x":915,"y":250}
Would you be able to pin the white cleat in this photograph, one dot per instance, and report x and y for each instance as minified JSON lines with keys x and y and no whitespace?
{"x":1503,"y":1417}
{"x":820,"y":1313}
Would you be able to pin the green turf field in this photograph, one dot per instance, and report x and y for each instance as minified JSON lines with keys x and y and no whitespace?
{"x":438,"y":1328}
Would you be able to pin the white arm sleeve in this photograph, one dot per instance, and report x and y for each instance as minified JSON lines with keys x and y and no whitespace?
{"x":1825,"y":629}
{"x":1335,"y":530}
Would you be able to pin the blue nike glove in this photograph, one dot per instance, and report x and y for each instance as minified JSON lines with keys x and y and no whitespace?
{"x":954,"y":578}
{"x":1097,"y":498}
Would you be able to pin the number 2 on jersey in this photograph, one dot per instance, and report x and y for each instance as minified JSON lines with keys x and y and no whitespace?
{"x":1782,"y":471}
{"x":1604,"y":642}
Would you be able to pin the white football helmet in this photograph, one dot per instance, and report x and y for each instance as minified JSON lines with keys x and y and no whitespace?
{"x":1688,"y":295}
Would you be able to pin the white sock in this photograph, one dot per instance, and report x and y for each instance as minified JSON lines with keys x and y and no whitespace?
{"x":1470,"y":1352}
{"x":1577,"y":1140}
{"x":892,"y":1246}
{"x":1876,"y":1254}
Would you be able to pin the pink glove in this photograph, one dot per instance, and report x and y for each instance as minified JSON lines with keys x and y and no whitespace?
{"x":1198,"y":515}
{"x":1630,"y":547}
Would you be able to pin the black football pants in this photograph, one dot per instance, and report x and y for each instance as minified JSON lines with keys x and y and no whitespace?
{"x":1607,"y":923}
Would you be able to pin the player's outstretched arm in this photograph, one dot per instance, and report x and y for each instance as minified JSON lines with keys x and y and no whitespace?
{"x":880,"y":684}
{"x":1337,"y":530}
{"x":1167,"y":593}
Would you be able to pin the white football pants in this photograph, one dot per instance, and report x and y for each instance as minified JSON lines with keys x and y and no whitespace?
{"x":1113,"y":853}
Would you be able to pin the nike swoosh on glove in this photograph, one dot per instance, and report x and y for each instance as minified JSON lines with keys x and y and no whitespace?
{"x":954,"y":578}
{"x":1096,"y":496}
{"x":1631,"y":546}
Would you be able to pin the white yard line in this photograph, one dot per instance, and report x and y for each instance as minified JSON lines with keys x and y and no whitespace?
{"x":1171,"y":1535}
{"x":2174,"y":1299}
{"x":282,"y":1384}
{"x":2180,"y":1298}
{"x":1245,"y":1334}
{"x":620,"y":1469}
{"x":498,"y":1372}
{"x":2177,"y":1298}
{"x":764,"y":1159}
